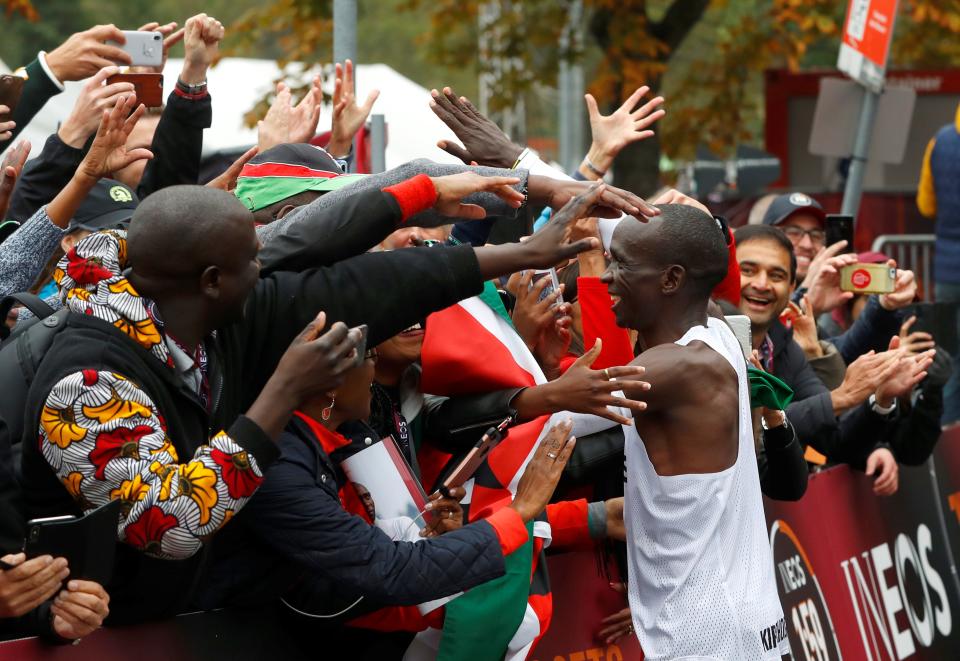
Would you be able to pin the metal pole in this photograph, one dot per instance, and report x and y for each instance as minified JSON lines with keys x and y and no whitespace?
{"x":345,"y":44}
{"x":378,"y":144}
{"x":861,"y":148}
{"x":345,"y":31}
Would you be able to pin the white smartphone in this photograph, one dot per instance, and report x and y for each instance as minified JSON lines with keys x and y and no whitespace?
{"x":740,"y":324}
{"x":145,"y":48}
{"x":550,"y":288}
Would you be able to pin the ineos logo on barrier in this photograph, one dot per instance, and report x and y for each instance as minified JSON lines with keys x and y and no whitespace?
{"x":877,"y":599}
{"x":809,"y":626}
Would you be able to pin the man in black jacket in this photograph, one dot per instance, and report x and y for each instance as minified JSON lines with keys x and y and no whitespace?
{"x":177,"y":336}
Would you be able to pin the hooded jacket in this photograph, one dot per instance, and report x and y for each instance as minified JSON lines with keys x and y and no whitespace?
{"x":110,"y":417}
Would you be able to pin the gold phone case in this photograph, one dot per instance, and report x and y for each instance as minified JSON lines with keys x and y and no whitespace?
{"x":868,"y":278}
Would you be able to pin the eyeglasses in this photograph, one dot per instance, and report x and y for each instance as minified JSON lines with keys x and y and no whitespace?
{"x":796,"y":234}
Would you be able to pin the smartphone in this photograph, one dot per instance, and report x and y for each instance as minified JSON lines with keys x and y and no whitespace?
{"x":147,"y":86}
{"x":144,"y":48}
{"x":553,"y":286}
{"x":11,"y":87}
{"x":88,"y":542}
{"x":868,"y":278}
{"x":839,"y":228}
{"x":740,"y":324}
{"x":466,"y":468}
{"x":938,"y":319}
{"x":362,"y":344}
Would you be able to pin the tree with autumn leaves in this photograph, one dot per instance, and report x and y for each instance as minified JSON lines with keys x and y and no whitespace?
{"x":706,"y":56}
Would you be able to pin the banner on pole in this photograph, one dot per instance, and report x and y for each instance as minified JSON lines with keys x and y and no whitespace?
{"x":867,"y":33}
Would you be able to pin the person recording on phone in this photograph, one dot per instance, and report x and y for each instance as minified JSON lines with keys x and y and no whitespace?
{"x":803,"y":220}
{"x":173,"y":133}
{"x":842,"y":424}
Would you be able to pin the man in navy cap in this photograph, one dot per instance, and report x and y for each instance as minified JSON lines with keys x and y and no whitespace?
{"x":802,"y":219}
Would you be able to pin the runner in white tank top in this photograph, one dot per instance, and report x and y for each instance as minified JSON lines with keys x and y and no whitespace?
{"x":701,"y":571}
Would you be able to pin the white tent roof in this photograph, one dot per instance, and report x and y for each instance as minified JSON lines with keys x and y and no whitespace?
{"x":237,"y":83}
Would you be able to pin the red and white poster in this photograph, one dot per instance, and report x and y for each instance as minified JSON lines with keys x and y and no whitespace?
{"x":867,"y":33}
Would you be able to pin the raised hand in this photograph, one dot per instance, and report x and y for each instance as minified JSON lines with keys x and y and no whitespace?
{"x":805,"y":328}
{"x":80,"y":609}
{"x":83,"y":54}
{"x":316,"y":363}
{"x":483,"y":141}
{"x":541,"y":475}
{"x":882,"y":464}
{"x":453,"y":188}
{"x":825,"y":293}
{"x":228,"y":180}
{"x":613,"y":132}
{"x":904,"y":373}
{"x":904,"y":290}
{"x":95,"y":97}
{"x":673,"y":196}
{"x":171,"y":37}
{"x":531,"y":314}
{"x":29,"y":583}
{"x":6,"y":128}
{"x":863,"y":377}
{"x":348,"y":117}
{"x":612,"y":202}
{"x":201,"y":42}
{"x":285,"y":123}
{"x":447,"y":512}
{"x":10,"y":170}
{"x":585,"y":390}
{"x":109,"y":153}
{"x":917,"y":342}
{"x":813,"y":271}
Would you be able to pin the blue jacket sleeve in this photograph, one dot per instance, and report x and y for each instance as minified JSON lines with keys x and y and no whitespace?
{"x":304,"y":523}
{"x":871,"y":331}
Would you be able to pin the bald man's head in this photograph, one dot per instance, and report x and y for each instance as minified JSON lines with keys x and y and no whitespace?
{"x":189,"y":241}
{"x":680,"y":254}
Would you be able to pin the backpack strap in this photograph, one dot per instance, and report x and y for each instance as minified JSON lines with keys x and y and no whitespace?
{"x":40,"y":308}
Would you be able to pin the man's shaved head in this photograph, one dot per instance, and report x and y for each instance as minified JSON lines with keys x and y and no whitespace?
{"x":193,"y":250}
{"x":680,"y":254}
{"x":182,"y":229}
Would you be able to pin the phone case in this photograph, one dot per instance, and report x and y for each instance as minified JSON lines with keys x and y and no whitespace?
{"x":148,"y":86}
{"x":145,"y":48}
{"x":868,"y":278}
{"x":11,"y":87}
{"x":88,"y":542}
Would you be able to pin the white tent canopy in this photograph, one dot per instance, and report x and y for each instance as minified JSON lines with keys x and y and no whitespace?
{"x":237,"y":83}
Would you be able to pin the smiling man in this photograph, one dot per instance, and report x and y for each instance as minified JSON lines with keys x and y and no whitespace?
{"x":701,"y":573}
{"x":802,"y":220}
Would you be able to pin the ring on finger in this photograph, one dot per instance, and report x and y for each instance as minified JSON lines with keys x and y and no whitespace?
{"x":606,"y":373}
{"x":552,"y":455}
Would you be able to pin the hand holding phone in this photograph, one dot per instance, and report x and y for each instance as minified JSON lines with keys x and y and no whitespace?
{"x":144,"y":48}
{"x":470,"y":463}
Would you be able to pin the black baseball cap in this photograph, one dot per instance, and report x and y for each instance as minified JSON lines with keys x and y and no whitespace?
{"x":788,"y":204}
{"x":109,"y":205}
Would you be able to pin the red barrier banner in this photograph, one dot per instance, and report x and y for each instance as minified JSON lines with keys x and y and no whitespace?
{"x":860,"y":577}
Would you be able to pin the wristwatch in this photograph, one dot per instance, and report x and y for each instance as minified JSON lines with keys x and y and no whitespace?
{"x":197,"y":88}
{"x":784,"y":423}
{"x":881,"y":410}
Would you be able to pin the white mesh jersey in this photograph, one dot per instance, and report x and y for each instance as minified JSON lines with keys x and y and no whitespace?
{"x":701,"y":570}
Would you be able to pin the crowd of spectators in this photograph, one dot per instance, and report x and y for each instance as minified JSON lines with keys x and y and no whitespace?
{"x":214,"y":355}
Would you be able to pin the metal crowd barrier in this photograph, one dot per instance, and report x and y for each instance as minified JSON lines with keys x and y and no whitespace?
{"x":912,"y":251}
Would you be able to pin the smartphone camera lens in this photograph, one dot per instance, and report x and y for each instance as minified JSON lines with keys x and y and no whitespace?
{"x":156,"y":37}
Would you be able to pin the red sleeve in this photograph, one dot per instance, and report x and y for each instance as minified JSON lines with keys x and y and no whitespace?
{"x":413,"y":195}
{"x":596,"y":310}
{"x":729,"y":289}
{"x":509,"y":528}
{"x":568,"y":525}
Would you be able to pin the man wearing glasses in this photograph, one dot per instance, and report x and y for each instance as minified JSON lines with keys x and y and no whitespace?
{"x":802,"y":219}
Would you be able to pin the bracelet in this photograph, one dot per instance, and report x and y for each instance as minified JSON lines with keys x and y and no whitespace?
{"x":197,"y":88}
{"x":880,"y":410}
{"x":593,"y":168}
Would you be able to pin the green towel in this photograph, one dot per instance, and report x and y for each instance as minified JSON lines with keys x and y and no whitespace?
{"x":767,"y":390}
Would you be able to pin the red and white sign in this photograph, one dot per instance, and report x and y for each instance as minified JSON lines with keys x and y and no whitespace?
{"x":867,"y":33}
